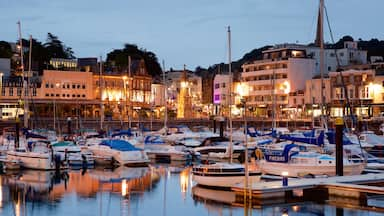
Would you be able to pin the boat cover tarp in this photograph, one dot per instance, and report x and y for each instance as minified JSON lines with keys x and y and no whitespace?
{"x":33,"y":135}
{"x":331,"y":136}
{"x":280,"y":156}
{"x":122,"y":133}
{"x":120,"y":145}
{"x":309,"y":140}
{"x":153,"y":140}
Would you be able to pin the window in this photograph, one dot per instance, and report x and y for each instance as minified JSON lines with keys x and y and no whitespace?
{"x":18,"y":91}
{"x":11,"y":91}
{"x":223,"y":85}
{"x":3,"y":91}
{"x":47,"y":95}
{"x":73,"y":86}
{"x":83,"y":86}
{"x":34,"y":92}
{"x":46,"y":85}
{"x":217,"y":97}
{"x":217,"y":85}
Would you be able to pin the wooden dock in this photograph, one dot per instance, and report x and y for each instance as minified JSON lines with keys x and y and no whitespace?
{"x":351,"y":190}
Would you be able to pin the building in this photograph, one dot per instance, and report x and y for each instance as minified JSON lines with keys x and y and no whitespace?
{"x":221,"y":91}
{"x":348,"y":55}
{"x":63,"y":64}
{"x":271,"y":80}
{"x":359,"y":87}
{"x":87,"y":64}
{"x":173,"y":82}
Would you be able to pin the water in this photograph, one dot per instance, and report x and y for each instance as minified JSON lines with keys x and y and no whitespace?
{"x":160,"y":190}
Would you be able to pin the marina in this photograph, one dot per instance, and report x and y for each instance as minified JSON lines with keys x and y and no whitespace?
{"x":169,"y":190}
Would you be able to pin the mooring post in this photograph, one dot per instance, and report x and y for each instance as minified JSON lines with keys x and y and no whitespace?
{"x":339,"y":145}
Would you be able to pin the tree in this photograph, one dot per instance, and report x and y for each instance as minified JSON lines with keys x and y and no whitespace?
{"x":56,"y":49}
{"x":5,"y":50}
{"x":117,"y":60}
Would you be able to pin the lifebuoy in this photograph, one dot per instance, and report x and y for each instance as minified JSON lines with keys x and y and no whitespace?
{"x":259,"y":154}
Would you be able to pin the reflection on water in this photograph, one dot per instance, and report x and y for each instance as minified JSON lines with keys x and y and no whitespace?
{"x":161,"y":189}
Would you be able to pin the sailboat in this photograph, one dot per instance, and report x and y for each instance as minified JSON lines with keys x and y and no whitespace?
{"x":296,"y":161}
{"x":224,"y":174}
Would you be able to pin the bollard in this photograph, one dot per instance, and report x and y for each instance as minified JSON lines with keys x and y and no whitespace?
{"x":339,"y":146}
{"x":285,"y":178}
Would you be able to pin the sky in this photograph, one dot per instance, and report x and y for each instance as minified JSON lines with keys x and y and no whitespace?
{"x":190,"y":32}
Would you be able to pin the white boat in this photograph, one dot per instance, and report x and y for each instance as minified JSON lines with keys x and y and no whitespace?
{"x":157,"y":149}
{"x":73,"y":153}
{"x":297,"y":163}
{"x":39,"y":155}
{"x":223,"y":174}
{"x":121,"y":151}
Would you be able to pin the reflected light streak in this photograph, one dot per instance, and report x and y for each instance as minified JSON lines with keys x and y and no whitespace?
{"x":124,"y":188}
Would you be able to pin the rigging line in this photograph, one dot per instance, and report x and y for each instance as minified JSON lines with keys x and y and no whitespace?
{"x":344,"y":87}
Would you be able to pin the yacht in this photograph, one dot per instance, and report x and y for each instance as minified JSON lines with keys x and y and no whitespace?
{"x":120,"y":151}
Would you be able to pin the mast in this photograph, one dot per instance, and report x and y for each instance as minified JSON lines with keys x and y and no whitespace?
{"x":129,"y":92}
{"x":27,"y":90}
{"x":321,"y":41}
{"x":22,"y":72}
{"x":101,"y":87}
{"x":165,"y":99}
{"x":230,"y":93}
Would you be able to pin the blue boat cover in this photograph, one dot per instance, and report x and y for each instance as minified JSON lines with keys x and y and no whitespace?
{"x":280,"y":156}
{"x":331,"y":136}
{"x":120,"y":145}
{"x":122,"y":132}
{"x":33,"y":135}
{"x":309,"y":140}
{"x":153,"y":140}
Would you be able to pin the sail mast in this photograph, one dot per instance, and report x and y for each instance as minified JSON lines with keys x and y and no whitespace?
{"x":321,"y":41}
{"x":165,"y":99}
{"x":101,"y":87}
{"x":230,"y":93}
{"x":27,"y":89}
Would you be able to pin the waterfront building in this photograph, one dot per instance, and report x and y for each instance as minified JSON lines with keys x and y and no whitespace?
{"x":173,"y":82}
{"x":350,"y":54}
{"x":312,"y":96}
{"x":63,"y":64}
{"x":361,"y":90}
{"x":272,"y":79}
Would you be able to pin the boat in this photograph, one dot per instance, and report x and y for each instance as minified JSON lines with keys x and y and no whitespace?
{"x":157,"y":149}
{"x":295,"y":161}
{"x":121,"y":151}
{"x":73,"y":153}
{"x":223,"y":175}
{"x":39,"y":155}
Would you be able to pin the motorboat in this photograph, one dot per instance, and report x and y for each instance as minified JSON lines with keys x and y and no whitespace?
{"x":73,"y":153}
{"x":121,"y":151}
{"x":297,"y":162}
{"x":38,"y":155}
{"x":223,"y":175}
{"x":157,"y":149}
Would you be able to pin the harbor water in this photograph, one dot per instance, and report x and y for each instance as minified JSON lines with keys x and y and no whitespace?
{"x":160,"y":189}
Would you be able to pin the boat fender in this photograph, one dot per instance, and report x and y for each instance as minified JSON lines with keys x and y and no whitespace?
{"x":259,"y":154}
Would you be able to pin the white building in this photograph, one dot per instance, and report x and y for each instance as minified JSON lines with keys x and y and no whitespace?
{"x":349,"y":55}
{"x":281,"y":72}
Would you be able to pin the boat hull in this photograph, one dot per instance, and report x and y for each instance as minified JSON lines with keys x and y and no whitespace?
{"x":301,"y":170}
{"x":31,"y":160}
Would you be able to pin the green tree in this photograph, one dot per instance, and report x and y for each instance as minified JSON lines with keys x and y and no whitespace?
{"x":5,"y":50}
{"x":56,"y":49}
{"x":117,"y":60}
